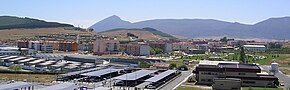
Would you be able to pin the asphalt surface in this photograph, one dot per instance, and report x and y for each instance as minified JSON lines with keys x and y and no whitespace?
{"x":281,"y":76}
{"x":175,"y":82}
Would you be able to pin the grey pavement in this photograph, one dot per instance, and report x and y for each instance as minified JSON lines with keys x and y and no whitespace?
{"x":281,"y":76}
{"x":175,"y":82}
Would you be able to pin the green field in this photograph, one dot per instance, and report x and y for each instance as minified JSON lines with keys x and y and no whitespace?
{"x":260,"y":88}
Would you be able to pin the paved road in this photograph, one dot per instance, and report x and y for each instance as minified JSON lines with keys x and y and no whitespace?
{"x":176,"y":81}
{"x":281,"y":77}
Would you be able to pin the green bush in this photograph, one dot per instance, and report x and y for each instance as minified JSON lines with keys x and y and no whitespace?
{"x":183,"y":67}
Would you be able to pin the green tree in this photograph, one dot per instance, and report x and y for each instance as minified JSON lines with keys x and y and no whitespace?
{"x":15,"y":67}
{"x":243,"y":55}
{"x":183,"y":67}
{"x":172,"y":66}
{"x":159,"y":51}
{"x":152,"y":51}
{"x":143,"y":64}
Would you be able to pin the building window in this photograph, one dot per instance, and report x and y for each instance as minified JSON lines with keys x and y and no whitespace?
{"x":202,"y":79}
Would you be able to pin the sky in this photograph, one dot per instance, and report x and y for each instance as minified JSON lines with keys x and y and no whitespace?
{"x":85,"y":13}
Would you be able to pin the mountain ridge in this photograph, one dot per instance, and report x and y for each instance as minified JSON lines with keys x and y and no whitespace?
{"x":209,"y":27}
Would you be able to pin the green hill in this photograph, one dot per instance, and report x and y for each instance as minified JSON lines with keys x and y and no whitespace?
{"x":11,"y":22}
{"x":152,"y":30}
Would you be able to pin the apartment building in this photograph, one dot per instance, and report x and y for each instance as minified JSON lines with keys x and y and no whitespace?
{"x":68,"y":46}
{"x":250,"y":74}
{"x":138,"y":49}
{"x":103,"y":46}
{"x":182,"y":46}
{"x":166,"y":47}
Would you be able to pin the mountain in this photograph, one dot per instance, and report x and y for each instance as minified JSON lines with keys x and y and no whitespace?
{"x":144,"y":33}
{"x":111,"y":22}
{"x":11,"y":22}
{"x":273,"y":28}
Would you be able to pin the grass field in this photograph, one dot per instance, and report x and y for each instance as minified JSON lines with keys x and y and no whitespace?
{"x":28,"y":77}
{"x":260,"y":88}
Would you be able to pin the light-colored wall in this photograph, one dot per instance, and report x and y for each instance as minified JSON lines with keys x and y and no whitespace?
{"x":144,"y":50}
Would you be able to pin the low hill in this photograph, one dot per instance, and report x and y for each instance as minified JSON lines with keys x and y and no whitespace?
{"x":144,"y":33}
{"x":14,"y":34}
{"x":11,"y":22}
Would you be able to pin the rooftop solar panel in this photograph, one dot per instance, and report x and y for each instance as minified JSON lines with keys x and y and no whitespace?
{"x":62,"y":86}
{"x":135,"y":75}
{"x":15,"y":85}
{"x":10,"y":57}
{"x":80,"y":72}
{"x":102,"y":88}
{"x":27,"y":60}
{"x":101,"y":72}
{"x":18,"y":58}
{"x":160,"y":76}
{"x":242,"y":66}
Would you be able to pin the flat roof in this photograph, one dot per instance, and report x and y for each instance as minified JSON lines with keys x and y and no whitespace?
{"x":15,"y":85}
{"x":102,"y":88}
{"x":80,"y":72}
{"x":59,"y":64}
{"x":62,"y":86}
{"x":239,"y":66}
{"x":101,"y":72}
{"x":160,"y":76}
{"x":135,"y":75}
{"x":259,"y":46}
{"x":206,"y":62}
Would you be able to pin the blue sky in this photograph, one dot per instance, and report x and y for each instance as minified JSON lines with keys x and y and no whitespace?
{"x":87,"y":12}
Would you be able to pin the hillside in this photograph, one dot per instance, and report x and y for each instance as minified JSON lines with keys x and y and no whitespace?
{"x":14,"y":34}
{"x":11,"y":22}
{"x":144,"y":33}
{"x":273,"y":28}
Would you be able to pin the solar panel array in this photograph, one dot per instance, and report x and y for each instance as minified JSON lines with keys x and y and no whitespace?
{"x":101,"y":72}
{"x":62,"y":86}
{"x":160,"y":76}
{"x":135,"y":75}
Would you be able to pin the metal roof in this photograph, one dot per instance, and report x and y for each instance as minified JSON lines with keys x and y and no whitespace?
{"x":9,"y":57}
{"x":102,"y":88}
{"x":80,"y":72}
{"x":62,"y":86}
{"x":15,"y":85}
{"x":18,"y":58}
{"x":160,"y":76}
{"x":27,"y":60}
{"x":47,"y":63}
{"x":101,"y":72}
{"x":135,"y":75}
{"x":36,"y":61}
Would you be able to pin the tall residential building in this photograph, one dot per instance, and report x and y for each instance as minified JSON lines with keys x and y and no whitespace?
{"x":105,"y":46}
{"x":138,"y":49}
{"x":166,"y":47}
